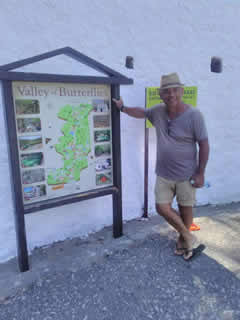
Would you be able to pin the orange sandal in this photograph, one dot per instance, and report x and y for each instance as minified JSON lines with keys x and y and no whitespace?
{"x":194,"y":227}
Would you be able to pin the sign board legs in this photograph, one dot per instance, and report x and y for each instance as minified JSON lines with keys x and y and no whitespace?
{"x":117,"y":175}
{"x":117,"y":215}
{"x":22,"y":251}
{"x":15,"y":174}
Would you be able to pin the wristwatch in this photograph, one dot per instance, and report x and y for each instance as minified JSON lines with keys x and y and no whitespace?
{"x":122,"y":107}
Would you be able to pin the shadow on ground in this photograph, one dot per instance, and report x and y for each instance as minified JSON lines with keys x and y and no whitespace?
{"x":136,"y":276}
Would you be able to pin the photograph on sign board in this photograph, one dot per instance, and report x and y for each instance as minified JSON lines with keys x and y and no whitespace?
{"x":34,"y":192}
{"x":29,"y":143}
{"x":101,"y":121}
{"x":102,"y":136}
{"x":100,"y":105}
{"x":32,"y":176}
{"x":103,"y":164}
{"x":27,"y":106}
{"x":104,"y":178}
{"x":28,"y":125}
{"x":31,"y":159}
{"x":102,"y":150}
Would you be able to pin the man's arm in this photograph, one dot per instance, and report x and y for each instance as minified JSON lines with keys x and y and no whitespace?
{"x":135,"y":112}
{"x":203,"y":155}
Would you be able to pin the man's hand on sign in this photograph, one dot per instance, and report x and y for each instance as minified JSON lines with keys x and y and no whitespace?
{"x":119,"y":103}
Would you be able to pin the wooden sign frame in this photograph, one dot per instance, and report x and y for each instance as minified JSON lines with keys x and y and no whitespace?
{"x":114,"y":80}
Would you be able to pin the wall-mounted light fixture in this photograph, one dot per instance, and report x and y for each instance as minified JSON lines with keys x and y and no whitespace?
{"x":129,"y":62}
{"x":216,"y":64}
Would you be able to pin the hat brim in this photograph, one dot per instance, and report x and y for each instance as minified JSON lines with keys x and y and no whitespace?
{"x":175,"y":85}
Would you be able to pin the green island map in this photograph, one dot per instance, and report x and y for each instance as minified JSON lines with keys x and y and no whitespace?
{"x":74,"y":146}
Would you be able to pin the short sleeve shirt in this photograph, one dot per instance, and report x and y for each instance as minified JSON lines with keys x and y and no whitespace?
{"x":177,"y":141}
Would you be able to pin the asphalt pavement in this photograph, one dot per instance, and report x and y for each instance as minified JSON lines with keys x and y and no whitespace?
{"x":136,"y":276}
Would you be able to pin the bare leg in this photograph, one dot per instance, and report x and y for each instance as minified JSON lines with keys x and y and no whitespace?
{"x":171,"y":216}
{"x":186,"y":214}
{"x":187,"y":217}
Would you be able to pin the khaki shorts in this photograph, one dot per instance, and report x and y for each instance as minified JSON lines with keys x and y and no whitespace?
{"x":166,"y":190}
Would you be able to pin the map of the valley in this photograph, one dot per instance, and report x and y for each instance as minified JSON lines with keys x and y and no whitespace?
{"x":74,"y":145}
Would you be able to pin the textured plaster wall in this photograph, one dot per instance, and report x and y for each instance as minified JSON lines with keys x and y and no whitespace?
{"x":162,"y":36}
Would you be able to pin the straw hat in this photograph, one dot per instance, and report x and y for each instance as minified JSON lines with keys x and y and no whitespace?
{"x":170,"y":81}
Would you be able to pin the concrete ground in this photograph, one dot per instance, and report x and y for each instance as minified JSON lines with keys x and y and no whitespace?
{"x":136,"y":276}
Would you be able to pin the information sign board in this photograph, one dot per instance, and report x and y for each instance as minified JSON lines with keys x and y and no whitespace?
{"x":64,"y":138}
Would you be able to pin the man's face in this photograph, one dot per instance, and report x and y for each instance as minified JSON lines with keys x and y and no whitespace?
{"x":171,"y":96}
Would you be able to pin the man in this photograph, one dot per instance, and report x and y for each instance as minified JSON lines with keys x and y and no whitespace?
{"x":179,"y":167}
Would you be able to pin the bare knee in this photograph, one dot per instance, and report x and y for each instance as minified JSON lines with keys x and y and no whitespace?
{"x":163,"y":209}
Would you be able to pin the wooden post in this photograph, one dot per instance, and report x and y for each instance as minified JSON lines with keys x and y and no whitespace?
{"x":117,"y":175}
{"x":146,"y":149}
{"x":22,"y":251}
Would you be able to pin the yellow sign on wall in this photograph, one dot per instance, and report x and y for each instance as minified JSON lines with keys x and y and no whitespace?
{"x":153,"y":98}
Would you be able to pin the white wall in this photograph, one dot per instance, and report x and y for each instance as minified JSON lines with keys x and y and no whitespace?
{"x":163,"y":37}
